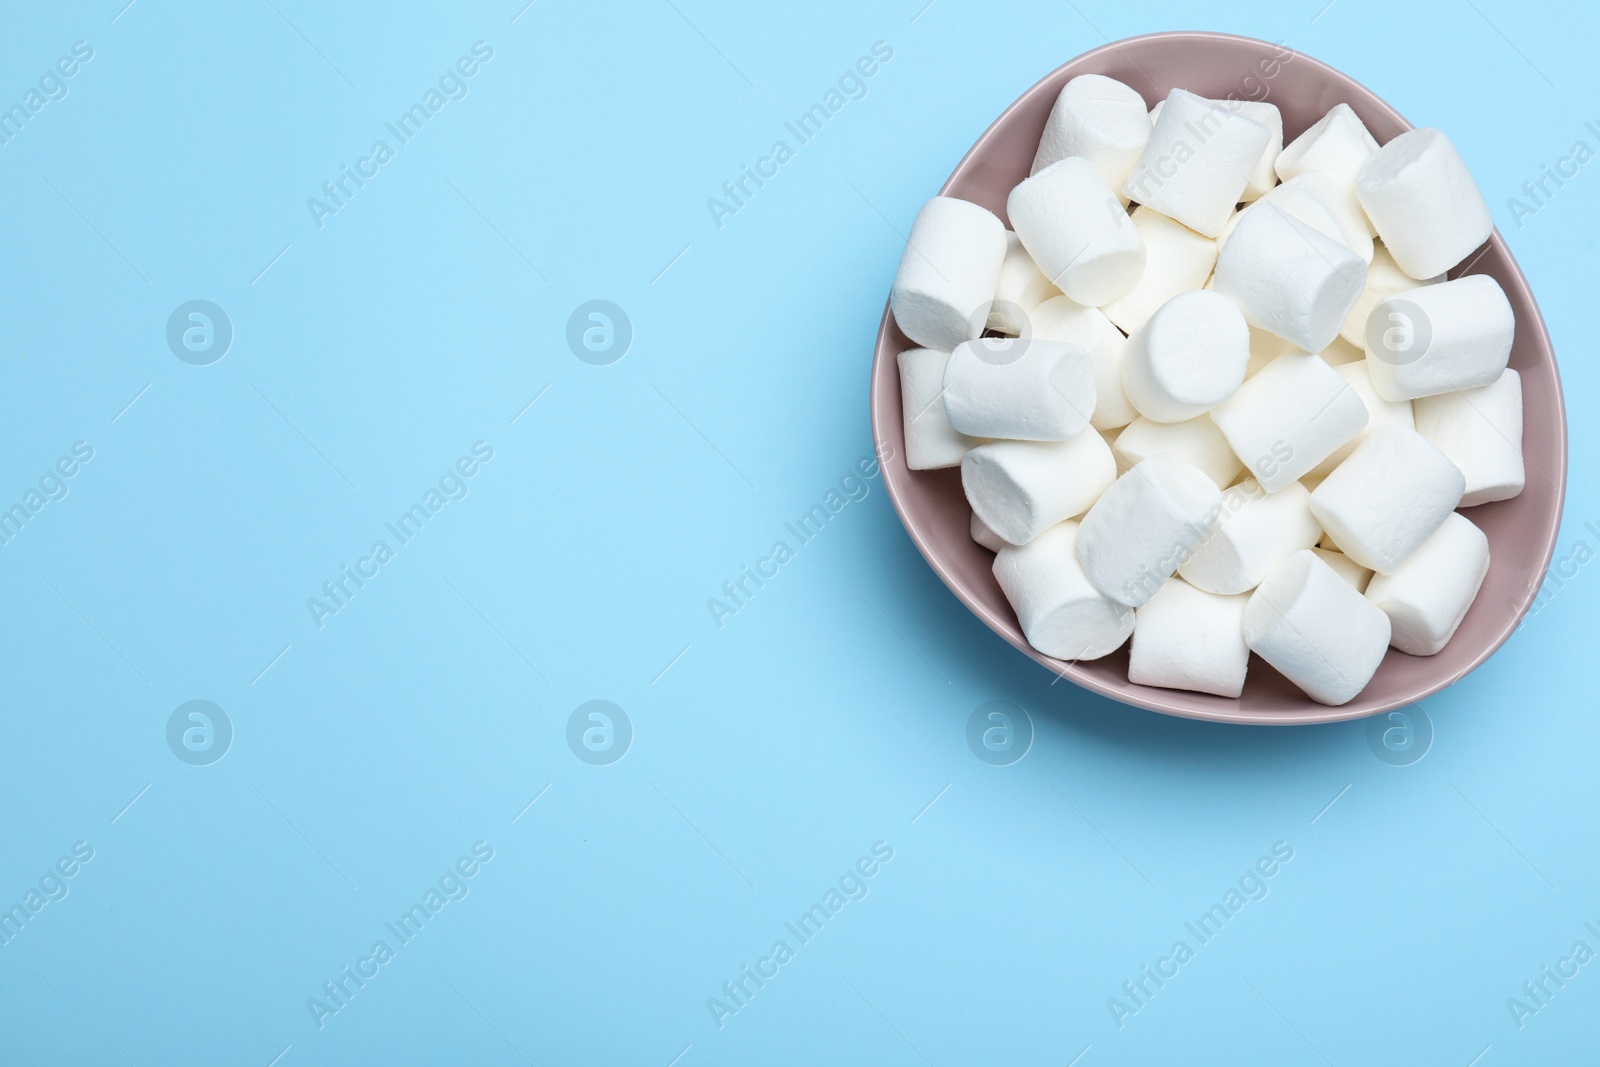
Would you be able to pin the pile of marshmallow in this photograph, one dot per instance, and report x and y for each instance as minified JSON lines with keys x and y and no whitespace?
{"x":1214,"y":393}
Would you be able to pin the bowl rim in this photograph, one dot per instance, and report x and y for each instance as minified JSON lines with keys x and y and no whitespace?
{"x":1308,"y":713}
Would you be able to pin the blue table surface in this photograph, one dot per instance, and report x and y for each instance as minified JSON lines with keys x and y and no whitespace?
{"x":395,"y":506}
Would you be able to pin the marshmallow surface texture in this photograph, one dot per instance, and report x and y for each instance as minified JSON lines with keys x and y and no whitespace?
{"x":1177,"y":259}
{"x":1337,"y":145}
{"x":1384,"y":279}
{"x":1187,"y":358}
{"x":1020,"y":389}
{"x":1196,"y":441}
{"x":1198,"y":162}
{"x":1020,"y":288}
{"x":931,"y":442}
{"x":1144,"y":526}
{"x":1022,"y":488}
{"x":1257,"y":531}
{"x":1289,"y":278}
{"x":1318,"y":632}
{"x":1440,"y":338}
{"x":1481,"y":431}
{"x":1184,"y":638}
{"x":948,"y":273}
{"x":1077,"y":231}
{"x":1428,"y":596}
{"x":1387,"y":498}
{"x":1293,"y":198}
{"x":1101,"y":120}
{"x":1289,"y":417}
{"x":1061,"y":613}
{"x":1380,"y":412}
{"x":1063,"y":319}
{"x":1423,"y":202}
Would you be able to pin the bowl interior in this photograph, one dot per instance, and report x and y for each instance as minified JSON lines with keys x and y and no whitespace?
{"x":1521,"y":531}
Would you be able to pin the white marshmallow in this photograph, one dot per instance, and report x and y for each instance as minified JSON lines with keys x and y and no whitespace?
{"x":1147,"y":523}
{"x":1289,"y":417}
{"x":1257,"y":531}
{"x":931,"y":442}
{"x":1197,"y":442}
{"x":1177,"y":259}
{"x":985,"y":536}
{"x":1184,"y":638}
{"x":1262,"y":176}
{"x":1387,"y":498}
{"x":1345,"y":567}
{"x":1061,"y":614}
{"x":1440,"y":338}
{"x":1020,"y":288}
{"x":1423,"y":202}
{"x":1077,"y":231}
{"x":1336,"y":145}
{"x":1481,"y":431}
{"x":1198,"y":162}
{"x":1380,"y":412}
{"x":1022,"y":488}
{"x":1100,"y":119}
{"x":1021,"y":389}
{"x":1316,"y":630}
{"x":948,"y":273}
{"x":1355,"y":233}
{"x":1428,"y":596}
{"x":1188,"y":358}
{"x":1384,"y":279}
{"x":1289,"y":278}
{"x":1063,"y":319}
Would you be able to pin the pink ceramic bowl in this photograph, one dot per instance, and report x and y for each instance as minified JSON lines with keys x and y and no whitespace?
{"x":1521,"y":531}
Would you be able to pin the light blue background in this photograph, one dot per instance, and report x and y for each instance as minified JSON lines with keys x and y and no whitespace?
{"x":769,"y":754}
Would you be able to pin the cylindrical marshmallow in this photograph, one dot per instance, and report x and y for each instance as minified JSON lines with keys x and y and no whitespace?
{"x":1289,"y":278}
{"x":1101,"y":120}
{"x":1428,"y":596}
{"x":1198,"y":162}
{"x":1177,"y":259}
{"x":1020,"y":288}
{"x":1440,"y":338}
{"x":1077,"y":231}
{"x":1188,"y":358}
{"x":1061,"y":613}
{"x":1264,"y":348}
{"x":931,"y":442}
{"x":1380,"y":412}
{"x":1021,"y":389}
{"x":1384,"y":279}
{"x":1063,"y":319}
{"x":1340,"y":203}
{"x":1423,"y":202}
{"x":1144,"y":526}
{"x":1289,"y":417}
{"x":1022,"y":488}
{"x":1481,"y":431}
{"x":1387,"y":498}
{"x":1345,"y":567}
{"x":1263,"y":177}
{"x":1257,"y":531}
{"x":1185,"y":638}
{"x":1316,"y":630}
{"x":1337,"y":145}
{"x":1196,"y":441}
{"x":985,"y":536}
{"x":948,"y":273}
